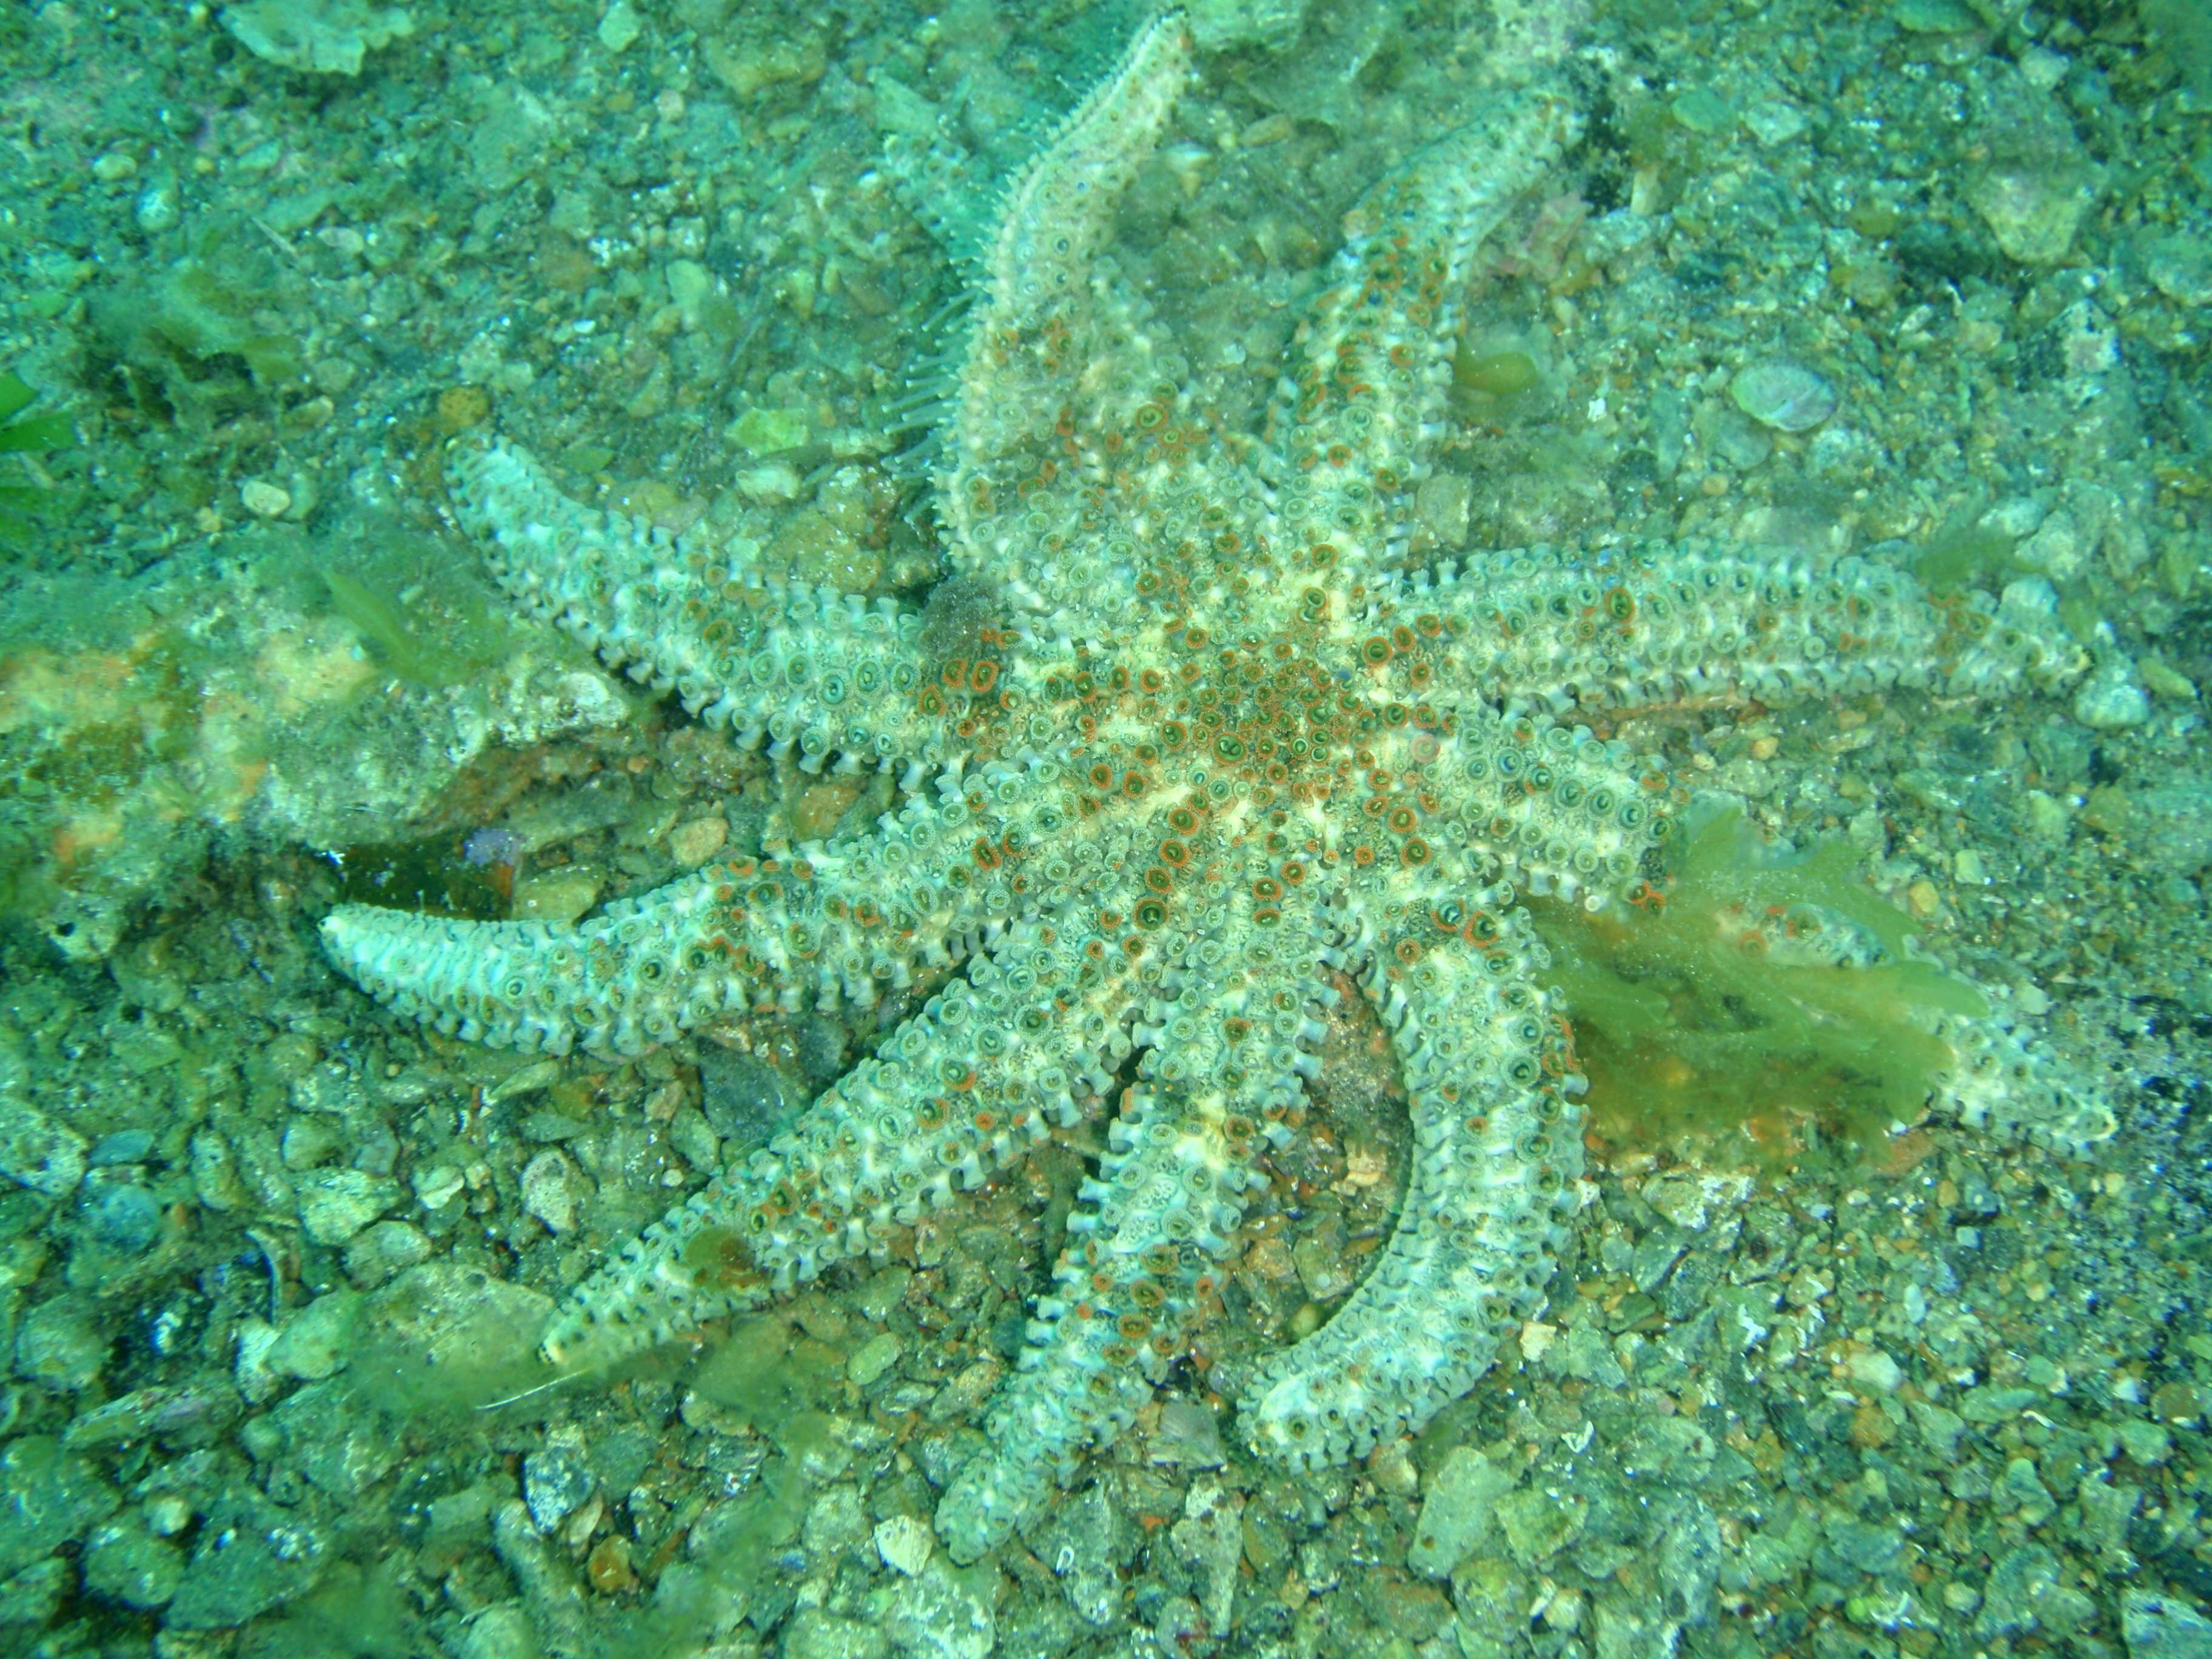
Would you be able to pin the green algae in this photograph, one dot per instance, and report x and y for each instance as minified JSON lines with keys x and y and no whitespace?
{"x":423,"y":618}
{"x":1687,"y":1036}
{"x":1498,"y":373}
{"x":27,"y":434}
{"x":209,"y":338}
{"x":1962,"y":556}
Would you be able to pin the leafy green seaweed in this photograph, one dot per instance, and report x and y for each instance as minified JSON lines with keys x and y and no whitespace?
{"x":26,"y":433}
{"x":1687,"y":1036}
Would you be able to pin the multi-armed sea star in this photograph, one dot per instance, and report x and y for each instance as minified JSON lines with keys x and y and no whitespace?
{"x":1182,"y":738}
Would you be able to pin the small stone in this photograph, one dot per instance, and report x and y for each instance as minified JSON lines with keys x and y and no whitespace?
{"x":1445,"y":501}
{"x":386,"y":1248}
{"x":944,"y":1615}
{"x":500,"y":1632}
{"x":904,"y":1543}
{"x":125,"y":1219}
{"x":620,"y":27}
{"x":265,"y":500}
{"x":872,"y":1358}
{"x":336,"y":1204}
{"x":439,"y":1185}
{"x":2048,"y":817}
{"x":556,"y":895}
{"x":330,"y":38}
{"x":35,"y":1152}
{"x":1871,"y":1428}
{"x":762,"y":432}
{"x":1188,"y":1436}
{"x":1785,"y":395}
{"x":2032,"y":207}
{"x":1323,"y":1267}
{"x":2177,"y":1402}
{"x":311,"y":1344}
{"x":692,"y":844}
{"x":2180,"y":268}
{"x":1457,"y":1512}
{"x":2058,"y":551}
{"x":608,"y":1567}
{"x":63,"y":1346}
{"x":34,"y":1595}
{"x":817,"y":1633}
{"x":2111,"y":699}
{"x":1874,"y":1370}
{"x":250,"y":1556}
{"x":556,"y":1478}
{"x":1935,"y":16}
{"x":2158,"y":1626}
{"x":547,"y":1193}
{"x":125,"y":1562}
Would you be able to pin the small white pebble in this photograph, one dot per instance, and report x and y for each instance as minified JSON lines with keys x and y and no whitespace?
{"x":904,"y":1543}
{"x":265,"y":500}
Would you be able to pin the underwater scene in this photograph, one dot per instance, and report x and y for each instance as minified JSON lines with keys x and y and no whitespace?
{"x":1302,"y":828}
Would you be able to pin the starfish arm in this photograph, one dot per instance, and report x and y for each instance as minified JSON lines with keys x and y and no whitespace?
{"x":808,"y":668}
{"x":1358,"y":414}
{"x":987,"y":1069}
{"x":1489,"y":1080}
{"x":1223,"y":1073}
{"x":1058,"y":353}
{"x":1557,"y":810}
{"x":848,"y":919}
{"x":1659,"y":623}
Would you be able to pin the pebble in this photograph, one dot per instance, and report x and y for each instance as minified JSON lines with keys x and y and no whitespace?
{"x":2172,"y":821}
{"x":386,"y":1248}
{"x":251,"y":1556}
{"x":620,"y":27}
{"x":1457,"y":1512}
{"x":336,"y":1204}
{"x":942,"y":1615}
{"x":763,"y":432}
{"x":2158,"y":1626}
{"x":265,"y":500}
{"x":438,"y":1186}
{"x":37,"y":1152}
{"x":125,"y":1219}
{"x":2180,"y":268}
{"x":558,"y":895}
{"x":63,"y":1346}
{"x":34,"y":1595}
{"x":692,"y":844}
{"x":905,"y":1544}
{"x":817,"y":1633}
{"x":125,"y":1562}
{"x":2032,"y":211}
{"x":2112,"y":699}
{"x":556,"y":1478}
{"x":124,"y":1146}
{"x":547,"y":1192}
{"x":872,"y":1358}
{"x":311,"y":1344}
{"x":192,"y":1413}
{"x":1783,"y":395}
{"x":500,"y":1632}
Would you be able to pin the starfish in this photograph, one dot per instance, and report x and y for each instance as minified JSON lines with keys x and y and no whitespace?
{"x":1184,"y":739}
